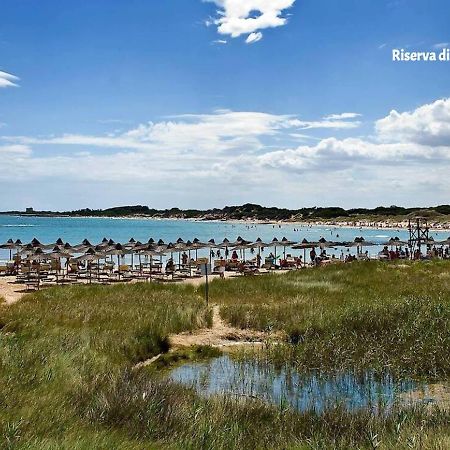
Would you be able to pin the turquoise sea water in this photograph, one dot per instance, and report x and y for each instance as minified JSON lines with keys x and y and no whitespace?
{"x":74,"y":230}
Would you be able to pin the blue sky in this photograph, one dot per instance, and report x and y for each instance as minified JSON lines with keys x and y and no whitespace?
{"x":165,"y":103}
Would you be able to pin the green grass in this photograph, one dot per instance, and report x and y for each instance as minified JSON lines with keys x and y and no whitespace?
{"x":365,"y":315}
{"x":67,"y":357}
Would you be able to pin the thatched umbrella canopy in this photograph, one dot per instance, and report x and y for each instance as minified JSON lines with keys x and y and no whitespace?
{"x":242,"y":247}
{"x":119,"y":251}
{"x":59,"y":253}
{"x":38,"y":256}
{"x":286,"y":243}
{"x":179,"y":247}
{"x":90,"y":256}
{"x":35,"y":243}
{"x":151,"y":250}
{"x":260,"y":244}
{"x":27,"y":249}
{"x":359,"y":243}
{"x":9,"y":245}
{"x":275,"y":242}
{"x":305,"y":244}
{"x":395,"y":242}
{"x":104,"y":242}
{"x":67,"y":246}
{"x":197,"y":245}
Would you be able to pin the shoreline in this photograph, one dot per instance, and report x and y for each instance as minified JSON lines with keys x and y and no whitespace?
{"x":357,"y":224}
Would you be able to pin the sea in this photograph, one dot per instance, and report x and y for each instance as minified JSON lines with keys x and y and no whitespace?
{"x":74,"y":229}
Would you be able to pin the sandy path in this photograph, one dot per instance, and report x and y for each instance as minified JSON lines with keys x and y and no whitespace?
{"x":220,"y":335}
{"x":11,"y":291}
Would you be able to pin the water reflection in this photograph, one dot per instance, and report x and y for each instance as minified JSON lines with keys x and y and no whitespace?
{"x":301,"y":391}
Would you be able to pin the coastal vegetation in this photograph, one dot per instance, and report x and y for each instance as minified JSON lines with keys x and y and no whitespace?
{"x":257,"y":212}
{"x":69,"y":356}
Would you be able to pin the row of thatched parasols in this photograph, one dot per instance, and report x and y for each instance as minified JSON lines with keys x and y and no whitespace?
{"x":34,"y":251}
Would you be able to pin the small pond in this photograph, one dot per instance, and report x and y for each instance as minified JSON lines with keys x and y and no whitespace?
{"x":286,"y":387}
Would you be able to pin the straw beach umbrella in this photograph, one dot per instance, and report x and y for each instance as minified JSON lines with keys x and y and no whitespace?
{"x":260,"y":245}
{"x":117,"y":250}
{"x":286,"y":243}
{"x":305,"y":244}
{"x":59,"y":253}
{"x":9,"y":245}
{"x":90,"y":256}
{"x":395,"y":242}
{"x":151,"y":250}
{"x":38,"y":256}
{"x":274,"y":244}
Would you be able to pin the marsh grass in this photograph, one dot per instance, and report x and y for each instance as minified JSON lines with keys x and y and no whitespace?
{"x":67,"y":357}
{"x":381,"y":316}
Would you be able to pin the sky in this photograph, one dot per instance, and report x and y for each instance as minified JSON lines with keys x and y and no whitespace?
{"x":207,"y":103}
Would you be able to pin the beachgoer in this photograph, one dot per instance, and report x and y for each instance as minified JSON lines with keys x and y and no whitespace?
{"x":222,"y":265}
{"x":312,"y":255}
{"x":170,"y":266}
{"x":184,"y":258}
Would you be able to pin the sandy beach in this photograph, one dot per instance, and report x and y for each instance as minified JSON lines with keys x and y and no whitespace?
{"x":12,"y":292}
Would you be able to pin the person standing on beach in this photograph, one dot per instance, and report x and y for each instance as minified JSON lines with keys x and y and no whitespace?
{"x":312,"y":255}
{"x":222,"y":266}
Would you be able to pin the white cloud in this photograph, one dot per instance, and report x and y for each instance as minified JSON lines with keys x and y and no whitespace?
{"x":223,"y":131}
{"x":226,"y":155}
{"x":334,"y":124}
{"x":441,"y":45}
{"x":15,"y":150}
{"x":249,"y":17}
{"x":220,"y":41}
{"x":333,"y":154}
{"x":8,"y":80}
{"x":341,"y":116}
{"x":254,"y":37}
{"x":426,"y":125}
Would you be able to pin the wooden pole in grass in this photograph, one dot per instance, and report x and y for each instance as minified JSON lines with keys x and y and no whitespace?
{"x":206,"y":285}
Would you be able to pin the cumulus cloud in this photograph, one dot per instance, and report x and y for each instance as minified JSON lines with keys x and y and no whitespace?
{"x":248,"y":17}
{"x":220,"y":149}
{"x":332,"y":154}
{"x":441,"y":45}
{"x":426,"y":125}
{"x":8,"y":80}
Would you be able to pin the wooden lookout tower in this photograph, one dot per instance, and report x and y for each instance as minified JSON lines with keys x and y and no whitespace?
{"x":418,"y":234}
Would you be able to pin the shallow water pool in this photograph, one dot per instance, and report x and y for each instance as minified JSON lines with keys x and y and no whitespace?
{"x":311,"y":391}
